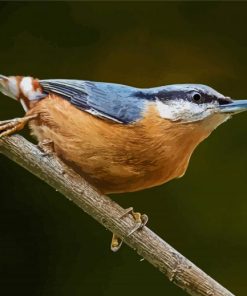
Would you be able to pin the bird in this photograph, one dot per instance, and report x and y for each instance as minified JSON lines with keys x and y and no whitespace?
{"x":119,"y":138}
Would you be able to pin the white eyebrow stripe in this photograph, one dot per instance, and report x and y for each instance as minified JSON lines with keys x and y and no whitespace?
{"x":165,"y":111}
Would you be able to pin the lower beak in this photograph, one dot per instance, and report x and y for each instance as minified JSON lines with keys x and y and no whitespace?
{"x":234,"y":107}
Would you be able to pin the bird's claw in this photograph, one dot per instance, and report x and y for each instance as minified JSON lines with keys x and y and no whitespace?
{"x":140,"y":219}
{"x":46,"y":146}
{"x":140,"y":223}
{"x":9,"y":127}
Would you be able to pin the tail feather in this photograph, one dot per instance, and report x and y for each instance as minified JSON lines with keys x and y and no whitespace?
{"x":3,"y":77}
{"x":22,"y":89}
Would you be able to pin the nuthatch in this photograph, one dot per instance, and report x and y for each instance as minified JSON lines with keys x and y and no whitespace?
{"x":119,"y":138}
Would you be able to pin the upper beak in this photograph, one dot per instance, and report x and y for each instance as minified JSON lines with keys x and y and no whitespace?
{"x":233,"y":107}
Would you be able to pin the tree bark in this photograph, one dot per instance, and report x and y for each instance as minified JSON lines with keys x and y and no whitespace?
{"x":147,"y":244}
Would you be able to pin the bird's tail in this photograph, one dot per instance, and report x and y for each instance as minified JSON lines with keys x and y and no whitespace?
{"x":23,"y":89}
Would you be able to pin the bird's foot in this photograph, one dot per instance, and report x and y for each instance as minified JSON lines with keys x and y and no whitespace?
{"x":9,"y":127}
{"x":140,"y":219}
{"x":46,"y":146}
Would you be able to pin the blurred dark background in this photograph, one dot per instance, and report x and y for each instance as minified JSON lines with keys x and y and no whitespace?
{"x":48,"y":246}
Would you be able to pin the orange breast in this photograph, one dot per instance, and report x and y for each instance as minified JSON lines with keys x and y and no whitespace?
{"x":115,"y":157}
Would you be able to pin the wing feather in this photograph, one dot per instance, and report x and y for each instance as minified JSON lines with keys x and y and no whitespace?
{"x":115,"y":102}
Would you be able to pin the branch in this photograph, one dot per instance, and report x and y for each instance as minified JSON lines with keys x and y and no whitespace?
{"x":150,"y":246}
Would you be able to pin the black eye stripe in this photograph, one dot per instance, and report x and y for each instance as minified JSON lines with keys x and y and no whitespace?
{"x":203,"y":98}
{"x":224,"y":101}
{"x":193,"y":96}
{"x":196,"y":96}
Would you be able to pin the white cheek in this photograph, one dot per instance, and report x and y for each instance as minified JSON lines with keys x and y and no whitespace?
{"x":165,"y":111}
{"x":181,"y":110}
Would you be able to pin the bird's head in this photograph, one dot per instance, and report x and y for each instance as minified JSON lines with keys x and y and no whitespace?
{"x":188,"y":103}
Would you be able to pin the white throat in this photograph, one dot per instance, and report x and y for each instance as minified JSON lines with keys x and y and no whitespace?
{"x":186,"y":112}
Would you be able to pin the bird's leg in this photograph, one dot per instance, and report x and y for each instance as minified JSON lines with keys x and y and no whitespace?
{"x":9,"y":127}
{"x":47,"y":146}
{"x":140,"y":219}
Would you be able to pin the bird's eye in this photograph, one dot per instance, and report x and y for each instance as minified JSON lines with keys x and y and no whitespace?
{"x":196,"y":97}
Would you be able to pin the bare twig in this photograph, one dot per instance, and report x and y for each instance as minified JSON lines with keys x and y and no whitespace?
{"x":150,"y":246}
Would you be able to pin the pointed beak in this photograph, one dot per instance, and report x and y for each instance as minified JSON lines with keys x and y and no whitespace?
{"x":234,"y":107}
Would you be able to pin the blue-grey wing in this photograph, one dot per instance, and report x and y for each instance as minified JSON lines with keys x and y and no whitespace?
{"x":116,"y":102}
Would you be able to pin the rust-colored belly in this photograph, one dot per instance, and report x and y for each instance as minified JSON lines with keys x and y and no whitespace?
{"x":114,"y":157}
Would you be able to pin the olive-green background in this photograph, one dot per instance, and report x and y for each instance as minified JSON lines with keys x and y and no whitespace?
{"x":48,"y":246}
